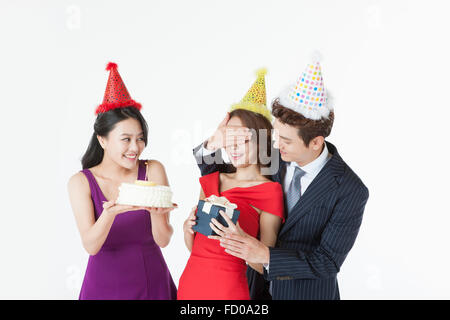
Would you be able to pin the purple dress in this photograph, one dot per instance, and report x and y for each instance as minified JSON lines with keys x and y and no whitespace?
{"x":130,"y":264}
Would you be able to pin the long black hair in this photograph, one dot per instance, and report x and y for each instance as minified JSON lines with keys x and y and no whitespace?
{"x":105,"y":123}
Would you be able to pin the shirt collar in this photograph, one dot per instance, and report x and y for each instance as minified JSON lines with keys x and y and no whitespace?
{"x":316,"y":165}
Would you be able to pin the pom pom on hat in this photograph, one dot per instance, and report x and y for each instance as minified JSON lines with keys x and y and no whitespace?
{"x":111,"y":65}
{"x":316,"y":56}
{"x":261,"y":72}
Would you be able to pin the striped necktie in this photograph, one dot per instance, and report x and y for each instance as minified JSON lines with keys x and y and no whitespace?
{"x":294,"y":190}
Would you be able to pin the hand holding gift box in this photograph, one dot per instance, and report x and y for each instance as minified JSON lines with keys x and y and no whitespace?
{"x":209,"y":209}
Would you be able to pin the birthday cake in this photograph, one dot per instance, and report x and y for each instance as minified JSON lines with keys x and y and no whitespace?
{"x":145,"y":194}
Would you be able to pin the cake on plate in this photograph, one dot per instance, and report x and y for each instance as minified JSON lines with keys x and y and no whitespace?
{"x":146,"y":194}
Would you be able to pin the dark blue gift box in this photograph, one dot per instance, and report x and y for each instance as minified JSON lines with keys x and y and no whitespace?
{"x":203,"y":218}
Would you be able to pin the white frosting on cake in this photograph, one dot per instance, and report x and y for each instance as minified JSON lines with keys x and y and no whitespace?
{"x":146,"y":196}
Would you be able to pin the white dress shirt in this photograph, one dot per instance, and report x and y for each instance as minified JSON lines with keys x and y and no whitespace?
{"x":311,"y":169}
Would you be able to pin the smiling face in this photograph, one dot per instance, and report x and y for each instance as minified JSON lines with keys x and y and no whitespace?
{"x":124,"y":144}
{"x":241,"y":155}
{"x":292,"y":148}
{"x":299,"y":138}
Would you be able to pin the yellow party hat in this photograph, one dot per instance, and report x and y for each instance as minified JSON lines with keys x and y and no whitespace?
{"x":255,"y":98}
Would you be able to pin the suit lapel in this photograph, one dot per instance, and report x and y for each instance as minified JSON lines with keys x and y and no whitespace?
{"x":323,"y":184}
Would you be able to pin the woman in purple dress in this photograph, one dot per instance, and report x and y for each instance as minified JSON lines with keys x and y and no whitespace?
{"x":123,"y":241}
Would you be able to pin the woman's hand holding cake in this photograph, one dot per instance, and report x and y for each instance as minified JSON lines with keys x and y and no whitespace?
{"x":111,"y":208}
{"x":161,"y":228}
{"x":159,"y":210}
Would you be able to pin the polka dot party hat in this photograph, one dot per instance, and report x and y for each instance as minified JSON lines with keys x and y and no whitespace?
{"x":308,"y":96}
{"x":116,"y":94}
{"x":255,"y":98}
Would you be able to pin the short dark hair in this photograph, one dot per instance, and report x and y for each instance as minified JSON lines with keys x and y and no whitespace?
{"x":307,"y":129}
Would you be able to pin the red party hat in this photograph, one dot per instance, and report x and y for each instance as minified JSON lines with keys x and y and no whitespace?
{"x":116,"y":94}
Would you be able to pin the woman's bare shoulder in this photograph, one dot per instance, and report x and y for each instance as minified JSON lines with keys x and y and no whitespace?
{"x":78,"y":183}
{"x":156,"y":172}
{"x":154,"y":164}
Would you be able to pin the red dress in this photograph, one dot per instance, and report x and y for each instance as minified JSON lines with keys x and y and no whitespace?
{"x":211,"y":273}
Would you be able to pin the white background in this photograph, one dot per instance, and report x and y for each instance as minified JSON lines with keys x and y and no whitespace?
{"x":386,"y":63}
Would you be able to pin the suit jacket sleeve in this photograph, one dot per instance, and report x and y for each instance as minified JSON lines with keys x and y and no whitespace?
{"x":337,"y":239}
{"x":210,"y":163}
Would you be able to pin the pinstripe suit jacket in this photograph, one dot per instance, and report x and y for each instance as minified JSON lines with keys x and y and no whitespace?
{"x":318,"y":233}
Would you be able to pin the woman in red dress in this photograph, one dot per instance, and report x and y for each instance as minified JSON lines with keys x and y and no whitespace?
{"x":211,"y":273}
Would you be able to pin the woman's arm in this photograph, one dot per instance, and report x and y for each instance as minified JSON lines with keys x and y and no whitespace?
{"x":190,"y":221}
{"x":93,"y":233}
{"x":161,"y":228}
{"x":269,"y":225}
